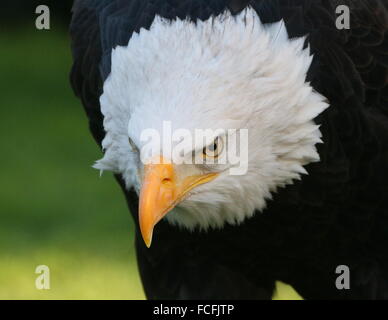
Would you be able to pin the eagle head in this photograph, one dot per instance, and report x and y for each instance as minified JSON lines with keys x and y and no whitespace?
{"x":206,"y":119}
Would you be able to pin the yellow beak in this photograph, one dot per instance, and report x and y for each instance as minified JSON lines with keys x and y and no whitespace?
{"x":161,"y":191}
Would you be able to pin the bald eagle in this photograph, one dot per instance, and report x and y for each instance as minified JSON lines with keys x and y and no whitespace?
{"x":312,"y":100}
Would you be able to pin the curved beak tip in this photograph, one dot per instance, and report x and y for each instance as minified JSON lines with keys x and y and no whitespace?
{"x":148,"y":240}
{"x":147,"y":231}
{"x":158,"y":198}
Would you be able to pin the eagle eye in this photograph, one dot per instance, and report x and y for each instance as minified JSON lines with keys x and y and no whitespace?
{"x":214,"y":149}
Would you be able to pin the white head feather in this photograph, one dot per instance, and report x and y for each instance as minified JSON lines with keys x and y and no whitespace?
{"x":226,"y":72}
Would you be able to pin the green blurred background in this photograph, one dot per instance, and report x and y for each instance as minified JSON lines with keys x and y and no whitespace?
{"x":54,"y":208}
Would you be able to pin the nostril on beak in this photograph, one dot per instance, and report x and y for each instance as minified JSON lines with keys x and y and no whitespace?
{"x":166,"y":181}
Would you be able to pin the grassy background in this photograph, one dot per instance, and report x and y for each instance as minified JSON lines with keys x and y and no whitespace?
{"x":54,"y":209}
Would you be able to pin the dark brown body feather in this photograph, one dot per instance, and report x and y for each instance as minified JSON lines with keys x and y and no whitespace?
{"x":336,"y":215}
